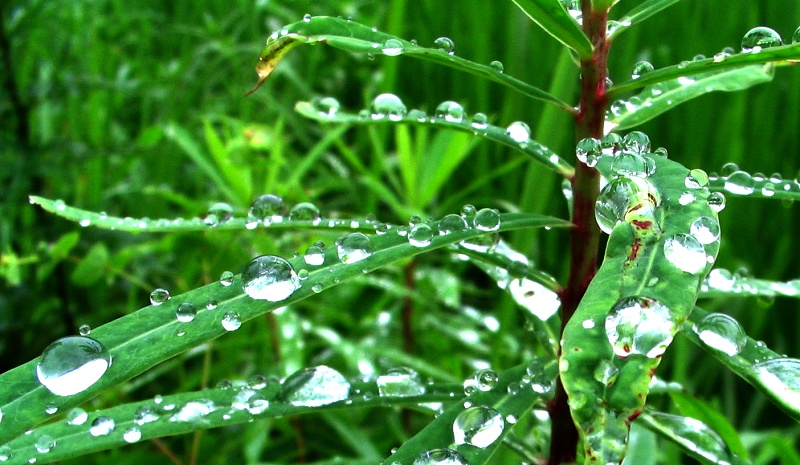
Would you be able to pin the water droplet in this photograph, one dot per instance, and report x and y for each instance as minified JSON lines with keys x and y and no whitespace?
{"x":354,"y":247}
{"x":588,"y":151}
{"x":326,"y":106}
{"x":269,"y":277}
{"x":632,"y":164}
{"x":392,"y":47}
{"x":257,"y":404}
{"x":729,"y":168}
{"x":686,"y":198}
{"x":636,"y":142}
{"x":50,"y":408}
{"x":266,"y":209}
{"x":218,"y":213}
{"x":452,"y":224}
{"x":304,"y":211}
{"x":388,"y":106}
{"x":485,"y":379}
{"x":440,"y":457}
{"x":796,"y":36}
{"x":185,"y":312}
{"x":193,"y":411}
{"x":306,"y":18}
{"x":257,"y":382}
{"x":451,"y":111}
{"x":6,"y":453}
{"x":102,"y":426}
{"x":72,"y":364}
{"x":420,"y":235}
{"x":759,"y":38}
{"x":159,"y":296}
{"x":606,"y":373}
{"x":716,"y":200}
{"x":519,"y":132}
{"x":740,"y":182}
{"x":445,"y":44}
{"x":226,"y":278}
{"x":721,"y":332}
{"x":782,"y":377}
{"x":84,"y":330}
{"x":478,"y":426}
{"x":624,"y":199}
{"x":315,"y":254}
{"x":145,"y":414}
{"x":696,"y":179}
{"x":705,"y":229}
{"x":539,"y":381}
{"x":487,"y":219}
{"x":44,"y":443}
{"x":540,"y":301}
{"x":768,"y":189}
{"x":231,"y":321}
{"x":77,"y":416}
{"x":400,"y":382}
{"x":315,"y":386}
{"x":641,"y":68}
{"x":639,"y":325}
{"x":60,"y":205}
{"x":685,"y":252}
{"x":497,"y":66}
{"x":317,"y":288}
{"x":480,"y":121}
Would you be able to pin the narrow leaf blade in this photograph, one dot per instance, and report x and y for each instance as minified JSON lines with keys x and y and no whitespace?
{"x":551,"y":16}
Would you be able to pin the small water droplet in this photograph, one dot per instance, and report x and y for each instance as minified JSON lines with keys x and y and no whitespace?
{"x":218,"y":213}
{"x":705,"y":229}
{"x":6,"y":453}
{"x":193,"y":411}
{"x":60,"y":205}
{"x":519,"y":132}
{"x":159,"y":296}
{"x":185,"y":312}
{"x":102,"y":426}
{"x":420,"y":235}
{"x":721,"y":332}
{"x":440,"y":457}
{"x":392,"y":47}
{"x":588,"y":151}
{"x":306,"y":18}
{"x":639,"y":325}
{"x":269,"y":277}
{"x":759,"y":38}
{"x":497,"y":66}
{"x":226,"y":278}
{"x":400,"y":382}
{"x":231,"y":321}
{"x":685,"y":252}
{"x":304,"y":211}
{"x":317,"y":288}
{"x":445,"y":44}
{"x":266,"y":209}
{"x":480,"y":121}
{"x":632,"y":164}
{"x":72,"y":364}
{"x":539,"y":381}
{"x":132,"y":434}
{"x":716,"y":200}
{"x":485,"y":379}
{"x":624,"y":199}
{"x":44,"y":443}
{"x":388,"y":106}
{"x":145,"y":414}
{"x":451,"y":111}
{"x":636,"y":142}
{"x":696,"y":179}
{"x":354,"y":247}
{"x":84,"y":330}
{"x":77,"y":416}
{"x":326,"y":106}
{"x":315,"y":386}
{"x":487,"y":219}
{"x":478,"y":426}
{"x":640,"y":68}
{"x":740,"y":182}
{"x":452,"y":224}
{"x":796,"y":36}
{"x":606,"y":373}
{"x":50,"y":408}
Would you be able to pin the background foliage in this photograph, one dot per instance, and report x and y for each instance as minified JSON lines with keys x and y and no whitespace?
{"x":137,"y":109}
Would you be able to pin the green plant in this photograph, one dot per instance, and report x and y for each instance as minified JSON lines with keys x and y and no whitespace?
{"x":664,"y":238}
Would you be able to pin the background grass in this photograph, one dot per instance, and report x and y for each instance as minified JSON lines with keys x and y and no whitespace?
{"x":137,"y":109}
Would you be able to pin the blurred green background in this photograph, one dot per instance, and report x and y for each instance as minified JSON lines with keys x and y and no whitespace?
{"x":132,"y":108}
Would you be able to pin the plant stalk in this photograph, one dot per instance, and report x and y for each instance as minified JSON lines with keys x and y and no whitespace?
{"x":585,"y":234}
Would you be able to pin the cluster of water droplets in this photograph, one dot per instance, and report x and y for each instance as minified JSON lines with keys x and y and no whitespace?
{"x":739,"y":182}
{"x":739,"y":282}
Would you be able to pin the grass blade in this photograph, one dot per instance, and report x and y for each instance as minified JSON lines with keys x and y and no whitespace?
{"x":640,"y":13}
{"x":694,"y":437}
{"x":551,"y":16}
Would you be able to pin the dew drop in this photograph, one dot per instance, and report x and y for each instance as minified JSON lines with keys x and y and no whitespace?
{"x":639,"y":325}
{"x":696,"y":179}
{"x":610,"y":144}
{"x":632,"y":164}
{"x":480,"y":121}
{"x":705,"y":229}
{"x":740,"y":182}
{"x":315,"y":386}
{"x":102,"y":426}
{"x":641,"y":68}
{"x":388,"y":106}
{"x":354,"y":247}
{"x":145,"y":414}
{"x":497,"y":66}
{"x":452,"y":224}
{"x":445,"y":44}
{"x":685,"y":252}
{"x":44,"y":443}
{"x":269,"y":277}
{"x":6,"y":453}
{"x":636,"y":142}
{"x":326,"y":106}
{"x":315,"y":254}
{"x":132,"y":434}
{"x":781,"y":376}
{"x":257,"y":404}
{"x":304,"y":211}
{"x":218,"y":213}
{"x":796,"y":36}
{"x":400,"y":382}
{"x":185,"y":312}
{"x":451,"y":111}
{"x":72,"y":364}
{"x":686,"y":198}
{"x":716,"y":200}
{"x":266,"y":209}
{"x":478,"y":426}
{"x":50,"y":408}
{"x":759,"y":38}
{"x":722,"y":333}
{"x":539,"y":381}
{"x":624,"y":198}
{"x":226,"y":278}
{"x":159,"y":296}
{"x":420,"y":235}
{"x":588,"y":151}
{"x":306,"y":18}
{"x":84,"y":330}
{"x":440,"y":457}
{"x":392,"y":47}
{"x":317,"y":288}
{"x":231,"y":321}
{"x":487,"y":219}
{"x":606,"y":373}
{"x":519,"y":132}
{"x":193,"y":411}
{"x":485,"y":379}
{"x":77,"y":416}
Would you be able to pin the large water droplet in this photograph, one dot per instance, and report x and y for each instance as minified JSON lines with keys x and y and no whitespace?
{"x":640,"y":68}
{"x":72,"y":364}
{"x":159,"y":296}
{"x":420,"y":235}
{"x":392,"y":47}
{"x":440,"y":457}
{"x":721,"y":332}
{"x":639,"y":325}
{"x":388,"y":106}
{"x":451,"y":111}
{"x":685,"y":252}
{"x":705,"y":229}
{"x":782,"y":377}
{"x":519,"y":132}
{"x":487,"y":219}
{"x":759,"y":38}
{"x":269,"y":277}
{"x":304,"y":211}
{"x":266,"y":209}
{"x":400,"y":382}
{"x":632,"y":164}
{"x":445,"y":44}
{"x":185,"y":312}
{"x":636,"y":142}
{"x":740,"y":182}
{"x":452,"y":224}
{"x":354,"y":247}
{"x":624,"y":198}
{"x":77,"y":416}
{"x":478,"y":426}
{"x":231,"y":321}
{"x":102,"y":426}
{"x":315,"y":386}
{"x":226,"y":278}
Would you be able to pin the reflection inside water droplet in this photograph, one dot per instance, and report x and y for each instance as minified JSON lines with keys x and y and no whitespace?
{"x":639,"y":325}
{"x":315,"y":386}
{"x":478,"y":426}
{"x":269,"y":277}
{"x":721,"y":332}
{"x":72,"y":364}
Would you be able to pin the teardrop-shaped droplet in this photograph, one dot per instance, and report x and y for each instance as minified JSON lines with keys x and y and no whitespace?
{"x":440,"y":457}
{"x":781,"y":376}
{"x":485,"y":379}
{"x":392,"y":47}
{"x":759,"y":38}
{"x":722,"y":333}
{"x":451,"y":111}
{"x":696,"y":179}
{"x":639,"y":325}
{"x":519,"y":132}
{"x":185,"y":312}
{"x":487,"y":219}
{"x":740,"y":182}
{"x":400,"y":382}
{"x":304,"y":211}
{"x":420,"y":235}
{"x":705,"y":229}
{"x":266,"y":209}
{"x":231,"y":321}
{"x":636,"y":142}
{"x":72,"y":364}
{"x":354,"y":247}
{"x":159,"y":296}
{"x":388,"y":106}
{"x":269,"y":277}
{"x":640,"y":68}
{"x":478,"y":426}
{"x":685,"y":252}
{"x":623,"y":198}
{"x":452,"y":224}
{"x":315,"y":386}
{"x":445,"y":44}
{"x":102,"y":426}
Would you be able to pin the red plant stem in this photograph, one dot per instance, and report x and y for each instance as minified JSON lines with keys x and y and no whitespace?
{"x":585,"y":234}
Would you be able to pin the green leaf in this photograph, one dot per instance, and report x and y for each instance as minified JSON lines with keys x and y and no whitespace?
{"x":151,"y":335}
{"x":663,"y":96}
{"x":354,"y":37}
{"x":640,"y":13}
{"x":700,"y":410}
{"x":608,"y":385}
{"x":551,"y":16}
{"x":533,"y":149}
{"x":693,"y":436}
